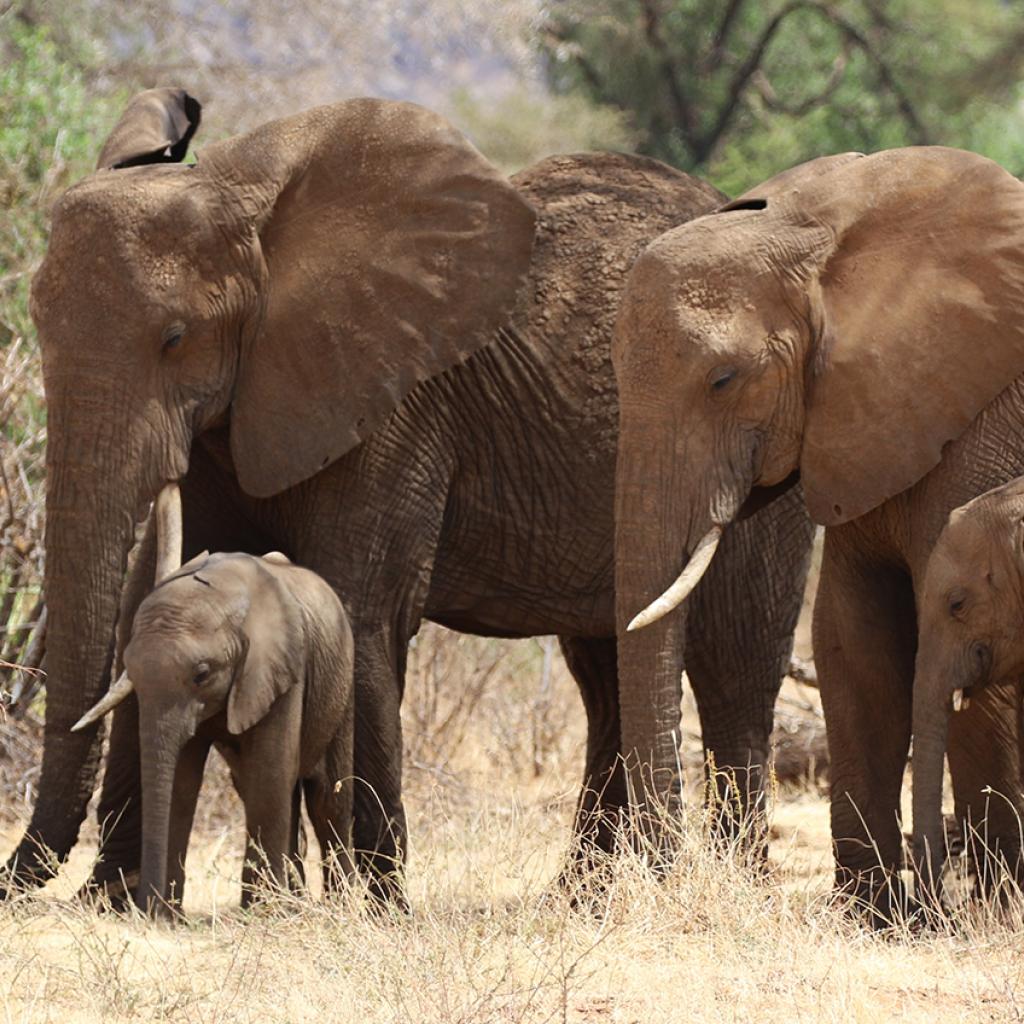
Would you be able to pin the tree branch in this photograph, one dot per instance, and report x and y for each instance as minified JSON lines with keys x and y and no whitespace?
{"x":685,"y":116}
{"x":771,"y":99}
{"x":742,"y":79}
{"x":560,"y":36}
{"x":713,"y":60}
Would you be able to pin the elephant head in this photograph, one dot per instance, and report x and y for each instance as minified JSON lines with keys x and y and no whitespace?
{"x":839,"y":324}
{"x":293,"y":286}
{"x":970,"y":614}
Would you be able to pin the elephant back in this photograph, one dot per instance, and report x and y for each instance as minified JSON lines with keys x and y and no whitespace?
{"x":596,"y":212}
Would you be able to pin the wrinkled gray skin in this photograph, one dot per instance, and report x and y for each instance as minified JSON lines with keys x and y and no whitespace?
{"x":253,"y":655}
{"x":484,"y":503}
{"x":971,"y":637}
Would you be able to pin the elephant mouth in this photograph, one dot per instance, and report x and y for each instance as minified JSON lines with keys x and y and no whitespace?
{"x":962,"y":698}
{"x":760,"y":497}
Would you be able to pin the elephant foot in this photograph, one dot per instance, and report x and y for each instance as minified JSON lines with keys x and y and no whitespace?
{"x":877,"y":897}
{"x":31,"y":866}
{"x":113,"y":892}
{"x":386,"y":895}
{"x":585,"y":881}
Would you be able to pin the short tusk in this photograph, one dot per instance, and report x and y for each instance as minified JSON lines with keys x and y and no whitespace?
{"x":108,"y":702}
{"x":960,"y":702}
{"x":683,"y":586}
{"x":168,"y":531}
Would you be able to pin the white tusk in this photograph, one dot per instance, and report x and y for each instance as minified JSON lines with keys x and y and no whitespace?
{"x":167,"y":509}
{"x":108,"y":702}
{"x":688,"y":579}
{"x":960,"y":702}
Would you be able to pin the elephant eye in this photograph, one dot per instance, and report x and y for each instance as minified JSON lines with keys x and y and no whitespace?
{"x":201,"y":673}
{"x":720,"y":378}
{"x":172,"y":336}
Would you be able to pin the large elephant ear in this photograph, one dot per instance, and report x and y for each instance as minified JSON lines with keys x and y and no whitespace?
{"x":275,"y":658}
{"x":156,"y":127}
{"x":918,"y":300}
{"x":392,"y":249}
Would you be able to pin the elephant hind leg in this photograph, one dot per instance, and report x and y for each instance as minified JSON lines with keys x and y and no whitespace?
{"x":379,"y":834}
{"x":592,"y":663}
{"x":329,"y":799}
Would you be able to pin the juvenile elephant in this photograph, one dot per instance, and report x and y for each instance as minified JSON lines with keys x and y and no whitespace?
{"x":273,"y":304}
{"x":253,"y":655}
{"x":856,"y":323}
{"x":971,"y":637}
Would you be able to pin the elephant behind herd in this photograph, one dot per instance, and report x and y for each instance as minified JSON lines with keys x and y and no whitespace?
{"x":351,"y":340}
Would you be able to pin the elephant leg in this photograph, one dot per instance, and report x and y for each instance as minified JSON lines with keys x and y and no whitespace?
{"x":592,"y":663}
{"x":296,"y":879}
{"x":188,"y":780}
{"x":119,"y":811}
{"x":270,"y":806}
{"x":985,"y":762}
{"x":865,"y":638}
{"x":739,"y":640}
{"x":329,"y":796}
{"x":379,"y":834}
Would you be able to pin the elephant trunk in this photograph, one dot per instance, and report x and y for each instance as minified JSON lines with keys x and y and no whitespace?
{"x":931,"y":731}
{"x":656,"y":532}
{"x":89,"y":532}
{"x":98,"y":485}
{"x":163,"y":732}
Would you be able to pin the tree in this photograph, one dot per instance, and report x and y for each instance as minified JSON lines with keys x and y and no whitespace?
{"x":739,"y":90}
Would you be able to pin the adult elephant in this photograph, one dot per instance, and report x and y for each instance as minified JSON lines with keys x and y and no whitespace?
{"x":335,"y":259}
{"x":857,"y":322}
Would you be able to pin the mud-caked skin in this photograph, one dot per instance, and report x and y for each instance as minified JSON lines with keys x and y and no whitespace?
{"x":483,"y":502}
{"x":857,"y":321}
{"x":252,"y":655}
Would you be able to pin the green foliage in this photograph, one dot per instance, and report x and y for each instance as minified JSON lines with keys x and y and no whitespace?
{"x":49,"y":124}
{"x":738,"y":90}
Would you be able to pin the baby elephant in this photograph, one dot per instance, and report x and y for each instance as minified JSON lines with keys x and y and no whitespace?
{"x":971,"y":636}
{"x":253,"y":655}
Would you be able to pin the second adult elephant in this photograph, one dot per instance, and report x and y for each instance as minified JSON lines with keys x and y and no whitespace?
{"x":482,"y":502}
{"x":859,"y":323}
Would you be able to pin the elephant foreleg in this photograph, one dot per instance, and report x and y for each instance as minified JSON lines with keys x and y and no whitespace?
{"x":739,"y":638}
{"x":864,"y":643}
{"x":119,"y":811}
{"x":188,"y":779}
{"x":592,"y":663}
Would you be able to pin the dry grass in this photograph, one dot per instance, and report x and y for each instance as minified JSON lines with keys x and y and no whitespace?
{"x":490,"y":940}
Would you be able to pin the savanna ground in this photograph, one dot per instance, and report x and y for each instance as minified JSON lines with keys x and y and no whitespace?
{"x":495,"y":735}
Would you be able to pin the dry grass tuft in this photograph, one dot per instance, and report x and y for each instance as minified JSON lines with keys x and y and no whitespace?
{"x":491,"y":939}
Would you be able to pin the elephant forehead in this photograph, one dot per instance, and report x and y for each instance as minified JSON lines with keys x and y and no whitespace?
{"x":962,"y":551}
{"x":185,"y":607}
{"x":151,"y":232}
